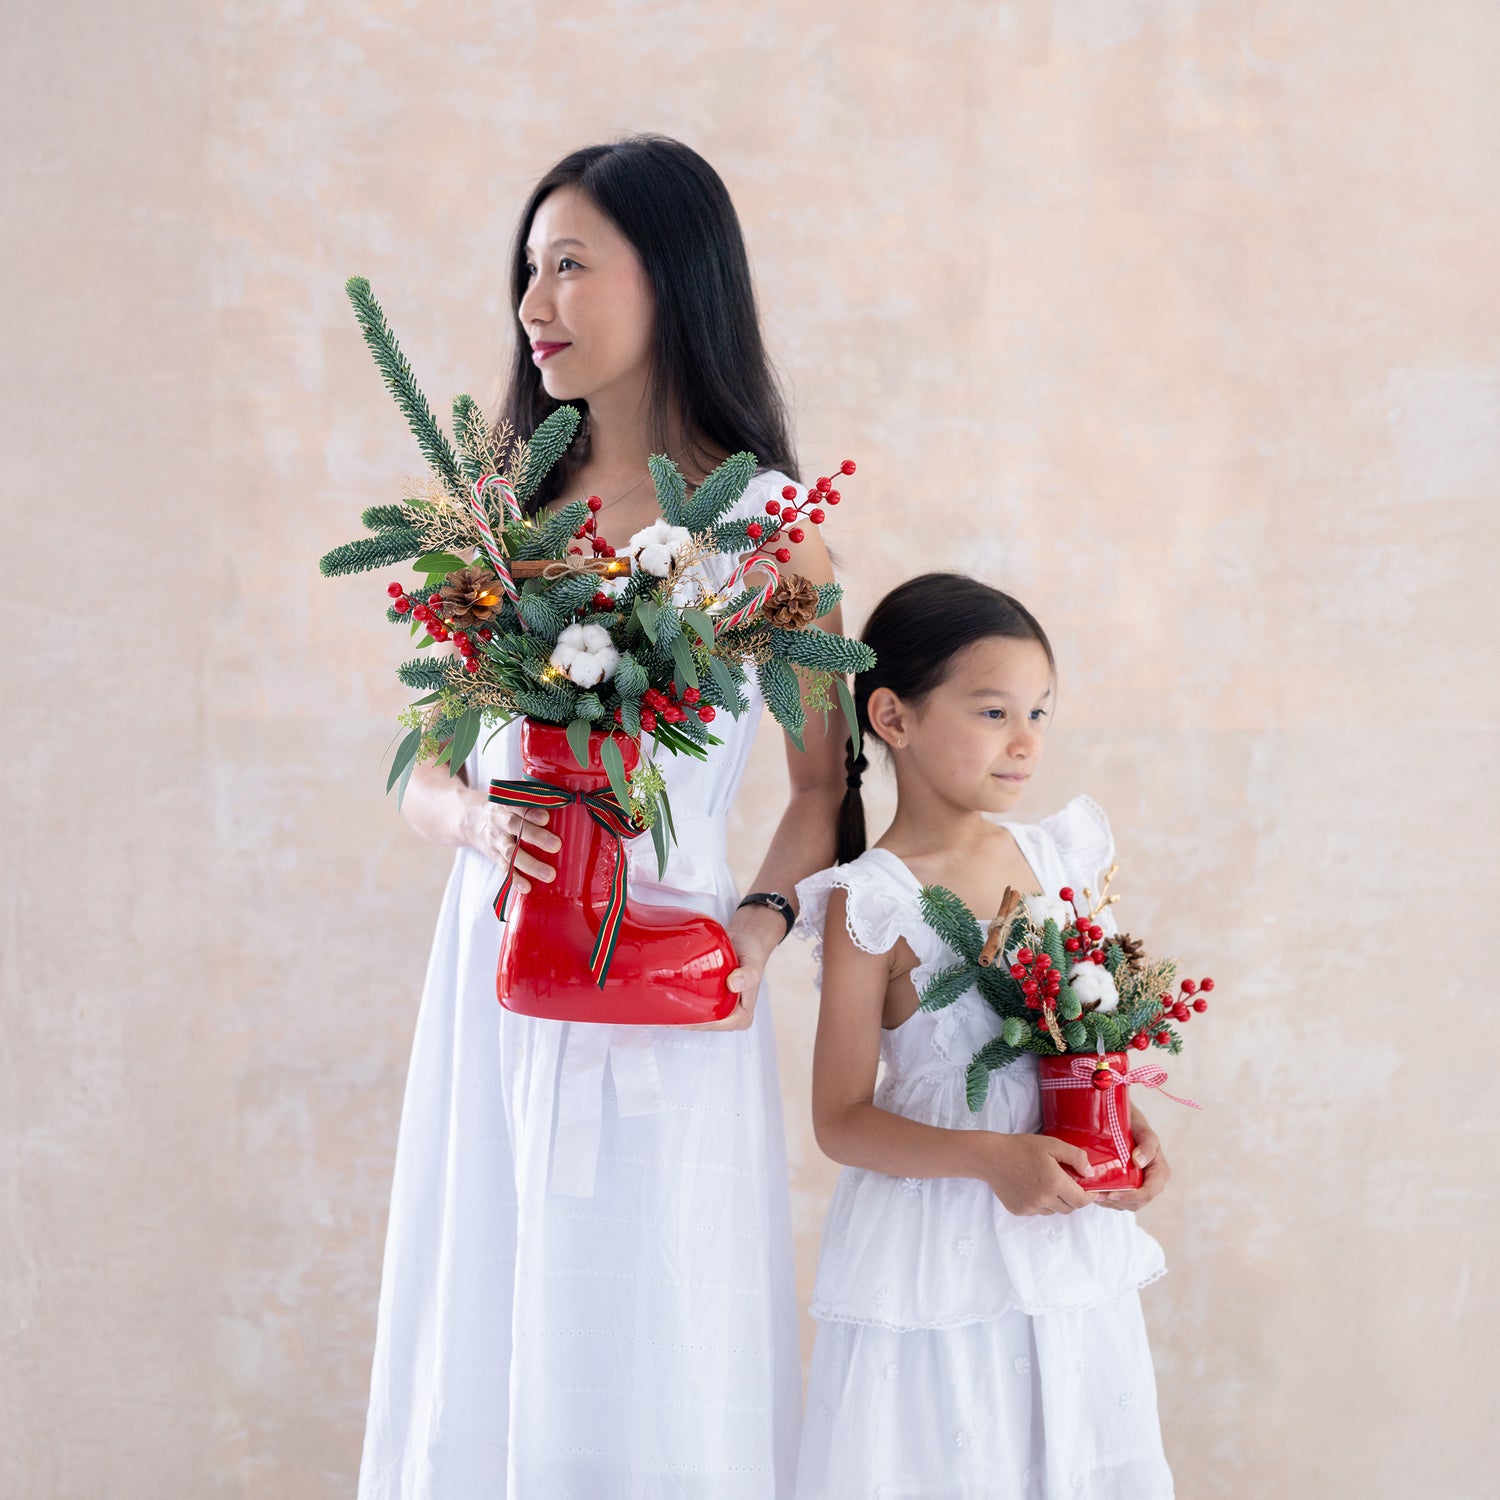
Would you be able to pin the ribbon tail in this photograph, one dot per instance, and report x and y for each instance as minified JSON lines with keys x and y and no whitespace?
{"x":609,"y":927}
{"x":502,"y":896}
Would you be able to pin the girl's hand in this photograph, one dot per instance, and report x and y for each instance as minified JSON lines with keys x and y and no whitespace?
{"x":1025,"y":1172}
{"x":494,"y":832}
{"x":754,"y":932}
{"x":1148,"y":1157}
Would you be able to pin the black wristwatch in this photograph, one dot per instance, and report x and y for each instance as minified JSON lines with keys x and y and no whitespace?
{"x":776,"y":903}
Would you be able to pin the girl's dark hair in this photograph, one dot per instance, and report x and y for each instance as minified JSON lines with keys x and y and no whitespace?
{"x":915,"y":633}
{"x":708,"y":363}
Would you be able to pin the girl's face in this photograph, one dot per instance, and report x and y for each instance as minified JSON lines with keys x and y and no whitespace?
{"x":976,"y":739}
{"x":588,"y":309}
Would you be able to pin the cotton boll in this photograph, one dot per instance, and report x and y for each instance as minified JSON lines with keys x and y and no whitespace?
{"x":1040,"y":908}
{"x":655,"y":547}
{"x":1093,"y":982}
{"x":586,"y":654}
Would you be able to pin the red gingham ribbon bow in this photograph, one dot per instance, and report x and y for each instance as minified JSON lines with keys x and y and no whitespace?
{"x":1081,"y":1076}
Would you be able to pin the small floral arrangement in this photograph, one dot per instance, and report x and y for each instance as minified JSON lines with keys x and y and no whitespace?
{"x":549,"y":621}
{"x":1057,"y":979}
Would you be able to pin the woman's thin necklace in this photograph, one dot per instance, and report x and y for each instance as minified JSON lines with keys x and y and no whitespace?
{"x":628,"y":493}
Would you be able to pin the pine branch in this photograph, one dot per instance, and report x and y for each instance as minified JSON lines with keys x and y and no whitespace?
{"x":1003,"y":994}
{"x":382,"y":551}
{"x":783,"y":695}
{"x":543,"y":449}
{"x":468,"y":420}
{"x":425,"y":673}
{"x":996,"y":1053}
{"x":384,"y":518}
{"x":551,"y":538}
{"x":947,"y":985}
{"x":554,"y":705}
{"x":719,"y":491}
{"x":630,"y":679}
{"x":540,"y":616}
{"x":571,"y":592}
{"x":402,"y":384}
{"x":829,"y":594}
{"x":947,"y":915}
{"x":731,"y":536}
{"x":671,"y":489}
{"x":821,"y":650}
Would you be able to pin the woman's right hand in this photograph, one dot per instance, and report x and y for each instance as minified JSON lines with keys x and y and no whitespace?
{"x":494,"y":830}
{"x":1025,"y":1172}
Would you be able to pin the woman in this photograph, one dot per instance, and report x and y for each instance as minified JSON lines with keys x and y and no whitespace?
{"x":588,"y":1283}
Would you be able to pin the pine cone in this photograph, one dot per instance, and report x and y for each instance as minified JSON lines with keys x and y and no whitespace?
{"x":471,"y":597}
{"x":793,"y":605}
{"x":1135,"y":951}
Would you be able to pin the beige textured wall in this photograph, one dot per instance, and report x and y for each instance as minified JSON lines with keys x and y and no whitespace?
{"x":1176,"y":318}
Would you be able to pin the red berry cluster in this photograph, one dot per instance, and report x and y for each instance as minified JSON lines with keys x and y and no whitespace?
{"x":1039,"y":980}
{"x":590,"y":530}
{"x":671,"y":708}
{"x":1179,"y":1008}
{"x":1087,"y":940}
{"x":788,"y":510}
{"x":429,"y":613}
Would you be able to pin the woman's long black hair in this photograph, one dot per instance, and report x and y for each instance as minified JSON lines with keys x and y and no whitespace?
{"x":708,"y":364}
{"x":915,"y":632}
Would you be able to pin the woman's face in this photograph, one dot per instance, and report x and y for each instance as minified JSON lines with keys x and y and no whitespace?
{"x":976,"y":739}
{"x":588,"y":310}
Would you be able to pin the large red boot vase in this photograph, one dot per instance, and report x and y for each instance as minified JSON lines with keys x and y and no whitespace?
{"x":665,"y":966}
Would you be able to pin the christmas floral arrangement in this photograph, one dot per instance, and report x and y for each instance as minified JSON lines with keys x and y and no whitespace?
{"x":1074,"y":994}
{"x":550,"y":622}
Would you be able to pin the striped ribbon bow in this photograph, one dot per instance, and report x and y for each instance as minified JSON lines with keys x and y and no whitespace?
{"x":604,"y":808}
{"x":1081,"y":1076}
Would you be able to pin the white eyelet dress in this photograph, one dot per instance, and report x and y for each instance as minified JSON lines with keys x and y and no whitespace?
{"x":588,"y":1290}
{"x":965,"y":1353}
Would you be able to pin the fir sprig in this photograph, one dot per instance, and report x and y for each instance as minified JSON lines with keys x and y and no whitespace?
{"x":402,"y":383}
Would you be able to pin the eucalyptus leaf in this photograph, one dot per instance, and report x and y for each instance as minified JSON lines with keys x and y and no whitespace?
{"x":614,"y":768}
{"x":666,"y":813}
{"x":846,"y":702}
{"x":726,"y":685}
{"x":659,"y":838}
{"x":406,"y":753}
{"x":465,"y":737}
{"x":702,"y":625}
{"x":439,"y":562}
{"x":682,"y":655}
{"x":648,"y":612}
{"x":578,"y":741}
{"x":403,"y":782}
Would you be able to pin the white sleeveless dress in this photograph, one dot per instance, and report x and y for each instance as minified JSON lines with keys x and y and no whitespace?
{"x":965,"y":1353}
{"x":588,"y":1287}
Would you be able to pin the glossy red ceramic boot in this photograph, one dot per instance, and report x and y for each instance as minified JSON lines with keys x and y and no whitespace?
{"x":1077,"y":1111}
{"x":669,"y":963}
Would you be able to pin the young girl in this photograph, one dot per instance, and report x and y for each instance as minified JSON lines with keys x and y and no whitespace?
{"x":980,"y":1333}
{"x":588,"y":1286}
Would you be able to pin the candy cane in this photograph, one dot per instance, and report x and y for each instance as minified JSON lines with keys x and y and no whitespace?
{"x":486,"y":532}
{"x":744,"y":612}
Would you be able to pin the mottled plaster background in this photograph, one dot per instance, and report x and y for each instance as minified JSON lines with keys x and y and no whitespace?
{"x":1177,"y":319}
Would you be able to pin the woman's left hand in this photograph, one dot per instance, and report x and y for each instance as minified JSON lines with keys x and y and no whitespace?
{"x":1149,"y":1158}
{"x":754,"y":932}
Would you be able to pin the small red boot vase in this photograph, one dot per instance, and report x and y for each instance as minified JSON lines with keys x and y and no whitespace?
{"x":660,"y":965}
{"x":1093,"y":1114}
